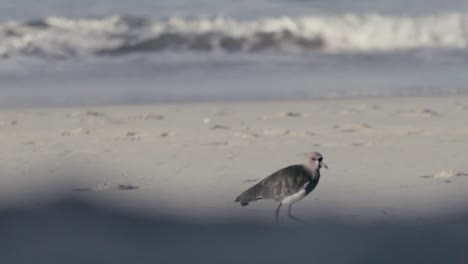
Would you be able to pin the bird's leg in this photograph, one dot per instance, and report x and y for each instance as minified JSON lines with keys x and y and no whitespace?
{"x":292,"y":216}
{"x":277,"y":212}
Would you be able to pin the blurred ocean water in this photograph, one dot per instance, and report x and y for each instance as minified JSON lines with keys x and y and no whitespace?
{"x":107,"y":52}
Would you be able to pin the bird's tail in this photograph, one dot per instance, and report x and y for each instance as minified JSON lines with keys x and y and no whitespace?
{"x":249,"y":195}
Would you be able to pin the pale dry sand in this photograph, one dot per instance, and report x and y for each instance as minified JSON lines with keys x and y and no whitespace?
{"x":394,"y":158}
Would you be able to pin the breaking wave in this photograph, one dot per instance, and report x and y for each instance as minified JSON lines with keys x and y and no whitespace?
{"x":60,"y":37}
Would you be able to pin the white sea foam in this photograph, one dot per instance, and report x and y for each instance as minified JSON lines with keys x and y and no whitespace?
{"x":60,"y":37}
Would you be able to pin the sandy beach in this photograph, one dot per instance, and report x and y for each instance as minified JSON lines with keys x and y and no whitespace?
{"x":389,"y":158}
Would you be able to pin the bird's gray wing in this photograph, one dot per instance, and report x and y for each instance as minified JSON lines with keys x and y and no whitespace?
{"x":280,"y":184}
{"x":284,"y":182}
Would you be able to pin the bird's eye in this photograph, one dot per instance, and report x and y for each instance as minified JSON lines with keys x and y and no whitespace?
{"x":313,"y":159}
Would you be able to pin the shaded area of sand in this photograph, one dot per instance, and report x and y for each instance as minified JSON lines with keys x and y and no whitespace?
{"x":75,"y":231}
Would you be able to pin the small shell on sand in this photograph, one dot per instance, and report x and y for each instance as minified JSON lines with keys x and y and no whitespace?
{"x":131,"y":134}
{"x":216,"y":127}
{"x":291,"y":114}
{"x":94,"y":113}
{"x":149,"y":116}
{"x":419,"y":112}
{"x":76,"y":131}
{"x":102,"y":187}
{"x":445,"y":174}
{"x":153,"y":116}
{"x":9,"y":123}
{"x":348,"y":128}
{"x":276,"y":132}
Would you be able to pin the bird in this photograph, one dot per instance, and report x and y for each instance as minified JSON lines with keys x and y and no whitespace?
{"x":287,"y":185}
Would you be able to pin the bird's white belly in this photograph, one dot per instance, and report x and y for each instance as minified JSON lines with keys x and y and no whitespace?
{"x":295,"y":197}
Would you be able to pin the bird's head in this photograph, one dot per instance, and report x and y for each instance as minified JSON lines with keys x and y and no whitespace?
{"x":315,"y":160}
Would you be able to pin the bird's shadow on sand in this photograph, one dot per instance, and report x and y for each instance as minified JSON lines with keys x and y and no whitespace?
{"x":76,"y":231}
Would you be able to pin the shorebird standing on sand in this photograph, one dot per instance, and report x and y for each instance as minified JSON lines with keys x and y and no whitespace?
{"x":287,"y":185}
